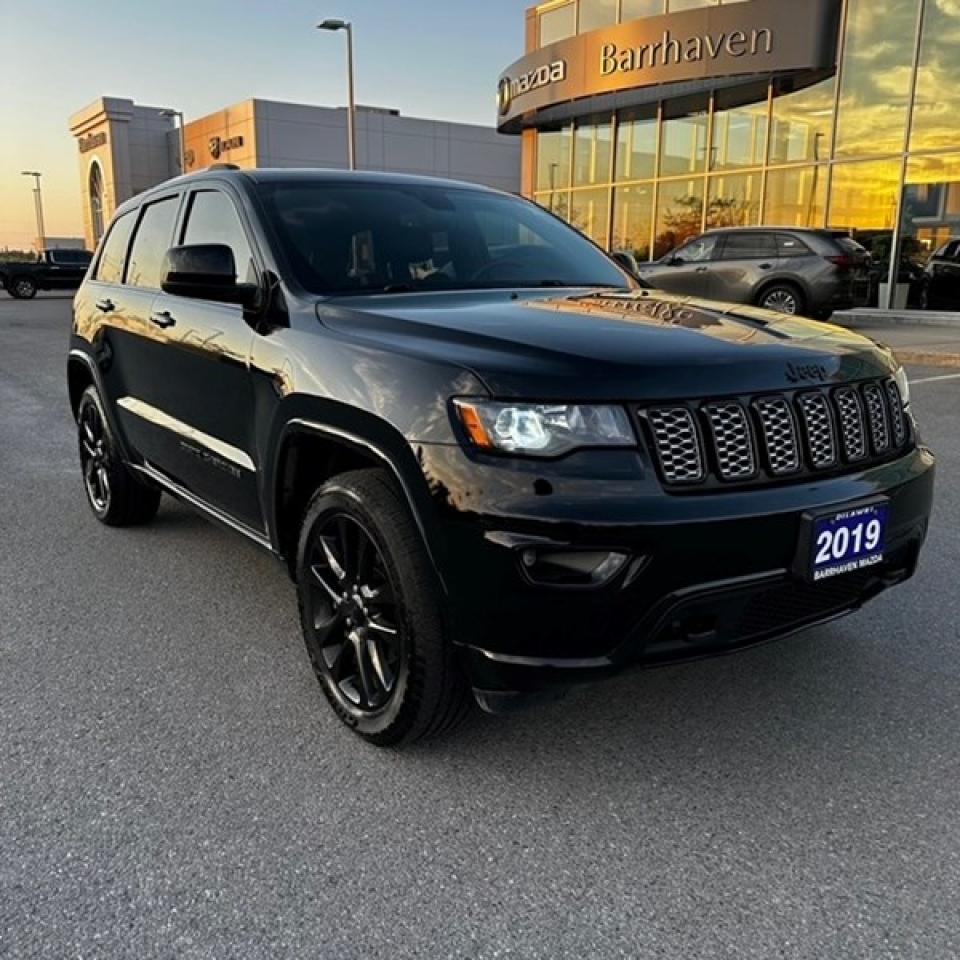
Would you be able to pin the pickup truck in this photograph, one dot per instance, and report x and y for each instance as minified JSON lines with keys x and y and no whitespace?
{"x":52,"y":270}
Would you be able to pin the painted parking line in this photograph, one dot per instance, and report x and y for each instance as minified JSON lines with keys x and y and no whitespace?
{"x":948,"y":376}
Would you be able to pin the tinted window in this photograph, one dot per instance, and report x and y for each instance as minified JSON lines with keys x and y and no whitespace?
{"x":153,"y":239}
{"x":788,"y":246}
{"x":214,"y":219}
{"x":368,"y":237}
{"x":749,"y":246}
{"x":948,"y":251}
{"x":110,"y":267}
{"x":698,"y":250}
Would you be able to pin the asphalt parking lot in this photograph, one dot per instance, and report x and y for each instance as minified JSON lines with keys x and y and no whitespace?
{"x":172,"y":783}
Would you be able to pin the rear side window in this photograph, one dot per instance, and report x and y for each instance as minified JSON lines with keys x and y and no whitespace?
{"x":214,"y":219}
{"x":110,"y":267}
{"x":749,"y":246}
{"x":153,"y":239}
{"x":788,"y":246}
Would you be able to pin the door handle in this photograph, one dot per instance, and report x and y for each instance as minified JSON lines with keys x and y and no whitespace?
{"x":766,"y":266}
{"x":702,"y":269}
{"x":162,"y":319}
{"x":106,"y":306}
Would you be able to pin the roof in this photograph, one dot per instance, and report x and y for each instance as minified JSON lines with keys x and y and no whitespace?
{"x":298,"y":175}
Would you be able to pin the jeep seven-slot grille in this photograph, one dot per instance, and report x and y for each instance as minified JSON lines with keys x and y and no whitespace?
{"x":778,"y":436}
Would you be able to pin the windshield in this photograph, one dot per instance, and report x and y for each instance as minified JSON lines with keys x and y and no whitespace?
{"x":343,"y":238}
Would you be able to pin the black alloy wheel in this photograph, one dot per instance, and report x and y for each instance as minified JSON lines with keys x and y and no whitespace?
{"x":374,"y":615}
{"x":355,"y":629}
{"x":116,"y":496}
{"x":94,"y":458}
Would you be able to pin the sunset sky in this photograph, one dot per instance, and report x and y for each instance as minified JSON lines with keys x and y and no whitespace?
{"x":428,"y":58}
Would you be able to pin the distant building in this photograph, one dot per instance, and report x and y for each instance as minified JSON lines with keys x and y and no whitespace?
{"x":126,"y":148}
{"x":646,"y":121}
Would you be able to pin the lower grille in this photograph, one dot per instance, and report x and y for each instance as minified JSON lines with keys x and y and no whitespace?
{"x":748,"y":440}
{"x":798,"y":602}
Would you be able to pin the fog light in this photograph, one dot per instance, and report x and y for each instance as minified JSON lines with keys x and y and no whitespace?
{"x":572,"y":568}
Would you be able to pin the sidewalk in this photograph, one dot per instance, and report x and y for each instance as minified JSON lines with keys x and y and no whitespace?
{"x":922,"y":346}
{"x":923,"y":339}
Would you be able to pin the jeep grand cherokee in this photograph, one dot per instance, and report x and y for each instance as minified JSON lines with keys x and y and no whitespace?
{"x":493,"y":463}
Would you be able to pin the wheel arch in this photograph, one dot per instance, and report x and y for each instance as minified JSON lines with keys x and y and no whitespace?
{"x":82,"y":372}
{"x":310,"y":451}
{"x":784,"y":281}
{"x":80,"y":375}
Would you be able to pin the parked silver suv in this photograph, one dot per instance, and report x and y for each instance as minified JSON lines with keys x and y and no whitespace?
{"x":797,"y":271}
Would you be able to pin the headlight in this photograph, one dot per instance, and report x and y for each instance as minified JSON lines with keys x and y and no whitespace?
{"x":904,"y":384}
{"x":543,"y":430}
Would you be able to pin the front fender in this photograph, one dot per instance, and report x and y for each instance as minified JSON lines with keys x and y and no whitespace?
{"x":367,"y":435}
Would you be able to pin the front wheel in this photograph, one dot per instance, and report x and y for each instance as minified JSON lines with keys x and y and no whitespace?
{"x":371,"y":612}
{"x":23,"y":288}
{"x":782,"y":298}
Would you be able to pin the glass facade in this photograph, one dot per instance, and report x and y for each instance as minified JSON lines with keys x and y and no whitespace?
{"x":873,"y":149}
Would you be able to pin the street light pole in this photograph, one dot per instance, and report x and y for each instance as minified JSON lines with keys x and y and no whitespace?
{"x":351,"y":105}
{"x":38,"y":205}
{"x":180,"y":136}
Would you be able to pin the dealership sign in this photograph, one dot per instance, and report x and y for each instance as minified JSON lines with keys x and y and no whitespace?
{"x":92,"y":141}
{"x":220,"y":145}
{"x":758,"y":37}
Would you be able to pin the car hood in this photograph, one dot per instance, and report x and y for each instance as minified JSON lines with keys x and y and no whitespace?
{"x":609,"y":345}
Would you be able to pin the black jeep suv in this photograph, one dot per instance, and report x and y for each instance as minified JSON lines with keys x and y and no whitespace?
{"x":493,"y":463}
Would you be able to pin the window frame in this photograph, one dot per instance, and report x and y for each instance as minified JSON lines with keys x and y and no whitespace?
{"x":141,"y":213}
{"x":699,"y":238}
{"x":773,"y":254}
{"x":804,"y":247}
{"x":101,"y":250}
{"x":186,"y":208}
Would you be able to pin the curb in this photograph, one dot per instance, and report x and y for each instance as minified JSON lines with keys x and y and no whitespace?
{"x":925,"y":358}
{"x":882,"y":318}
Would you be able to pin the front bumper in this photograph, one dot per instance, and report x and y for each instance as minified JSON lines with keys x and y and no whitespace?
{"x":713,"y":572}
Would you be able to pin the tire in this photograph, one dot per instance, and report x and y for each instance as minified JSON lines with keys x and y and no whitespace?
{"x":22,"y":288}
{"x":371,"y":613}
{"x":783,"y":295}
{"x":116,"y":497}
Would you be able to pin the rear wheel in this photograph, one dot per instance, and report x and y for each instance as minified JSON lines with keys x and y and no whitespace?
{"x":782,"y":298}
{"x":116,"y":497}
{"x":370,"y":608}
{"x":23,"y":288}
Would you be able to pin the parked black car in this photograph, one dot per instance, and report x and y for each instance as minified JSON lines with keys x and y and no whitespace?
{"x":489,"y":459}
{"x":940,"y":286}
{"x":52,"y":270}
{"x":794,"y":271}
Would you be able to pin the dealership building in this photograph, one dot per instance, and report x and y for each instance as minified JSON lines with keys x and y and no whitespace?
{"x":644,"y":122}
{"x":125,"y":147}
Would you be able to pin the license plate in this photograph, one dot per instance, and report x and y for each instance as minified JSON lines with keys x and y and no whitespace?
{"x":847,"y":541}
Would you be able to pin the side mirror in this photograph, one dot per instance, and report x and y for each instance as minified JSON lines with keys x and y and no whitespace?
{"x":625,"y":260}
{"x":205,"y":271}
{"x":674,"y":261}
